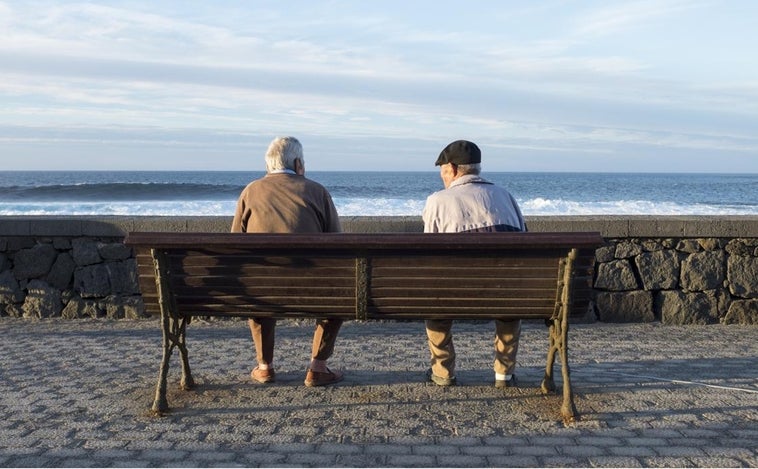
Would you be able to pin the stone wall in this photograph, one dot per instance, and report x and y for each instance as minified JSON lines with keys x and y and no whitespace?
{"x":677,"y":281}
{"x":68,"y":277}
{"x":677,"y":270}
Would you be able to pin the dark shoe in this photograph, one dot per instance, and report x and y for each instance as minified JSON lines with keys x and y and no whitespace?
{"x":263,"y":376}
{"x":511,"y":383}
{"x":438,"y":380}
{"x":322,"y":378}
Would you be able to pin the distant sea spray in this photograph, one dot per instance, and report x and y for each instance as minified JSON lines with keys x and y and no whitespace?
{"x":187,"y":193}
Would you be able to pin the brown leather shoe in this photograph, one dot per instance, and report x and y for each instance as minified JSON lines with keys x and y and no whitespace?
{"x":321,"y":378}
{"x":263,"y":376}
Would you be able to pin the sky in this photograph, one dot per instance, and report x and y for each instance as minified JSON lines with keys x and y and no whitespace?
{"x":553,"y":85}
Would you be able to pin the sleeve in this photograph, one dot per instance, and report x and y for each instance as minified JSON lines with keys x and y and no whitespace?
{"x":431,"y":220}
{"x":239,"y":223}
{"x":518,"y":213}
{"x":332,"y":217}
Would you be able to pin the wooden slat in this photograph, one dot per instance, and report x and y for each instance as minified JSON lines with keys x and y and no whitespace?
{"x":268,"y":301}
{"x":405,"y":291}
{"x":256,"y":292}
{"x":468,"y":284}
{"x":223,"y":312}
{"x":459,"y":303}
{"x":403,"y":271}
{"x":492,"y":260}
{"x":268,"y":310}
{"x":260,"y":271}
{"x":203,"y":259}
{"x":258,"y":283}
{"x":458,"y":313}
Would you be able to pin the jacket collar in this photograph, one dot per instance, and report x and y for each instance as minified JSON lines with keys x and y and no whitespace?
{"x":468,"y":179}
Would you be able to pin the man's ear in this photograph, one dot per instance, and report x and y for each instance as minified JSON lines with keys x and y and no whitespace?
{"x":299,"y":167}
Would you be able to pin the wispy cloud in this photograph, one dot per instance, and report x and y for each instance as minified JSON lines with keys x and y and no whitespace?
{"x":619,"y":17}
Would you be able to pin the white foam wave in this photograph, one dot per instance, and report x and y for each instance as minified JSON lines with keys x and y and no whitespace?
{"x":379,"y":207}
{"x":149,"y":208}
{"x":370,"y":207}
{"x":540,"y":206}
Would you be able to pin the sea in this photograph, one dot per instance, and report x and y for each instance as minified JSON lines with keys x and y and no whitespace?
{"x":362,"y":193}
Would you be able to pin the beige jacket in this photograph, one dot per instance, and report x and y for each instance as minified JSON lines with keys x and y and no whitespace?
{"x":285,"y":203}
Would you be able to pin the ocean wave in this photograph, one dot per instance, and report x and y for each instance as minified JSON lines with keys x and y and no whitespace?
{"x":131,"y":191}
{"x":541,"y":206}
{"x":367,"y":207}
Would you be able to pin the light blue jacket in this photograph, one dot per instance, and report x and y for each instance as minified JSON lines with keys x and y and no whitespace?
{"x":471,"y":203}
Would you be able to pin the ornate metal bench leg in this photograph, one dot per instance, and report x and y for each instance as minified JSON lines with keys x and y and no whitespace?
{"x":548,"y":385}
{"x":559,"y":343}
{"x":187,"y":382}
{"x":561,"y":324}
{"x":160,"y":404}
{"x":568,"y":409}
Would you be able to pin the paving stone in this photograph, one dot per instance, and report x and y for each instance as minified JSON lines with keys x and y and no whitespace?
{"x":513,"y":461}
{"x":460,"y":461}
{"x":211,"y":456}
{"x":631,"y":451}
{"x":163,"y":455}
{"x":360,"y":460}
{"x":614,"y":461}
{"x":388,"y":449}
{"x":486,"y":450}
{"x":558,"y":461}
{"x":584,"y":451}
{"x":411,"y":460}
{"x":311,"y":459}
{"x":435,"y":450}
{"x":78,"y":462}
{"x":263,"y":458}
{"x":335,"y":448}
{"x":535,"y":450}
{"x":677,"y":451}
{"x":505,"y":441}
{"x":646,"y":442}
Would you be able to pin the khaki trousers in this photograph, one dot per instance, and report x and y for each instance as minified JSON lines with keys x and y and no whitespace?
{"x":324,"y":337}
{"x":442,"y":349}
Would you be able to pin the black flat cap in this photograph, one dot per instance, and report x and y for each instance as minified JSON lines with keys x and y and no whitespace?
{"x":460,"y":152}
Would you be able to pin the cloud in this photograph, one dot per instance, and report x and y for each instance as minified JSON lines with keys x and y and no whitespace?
{"x":619,"y":17}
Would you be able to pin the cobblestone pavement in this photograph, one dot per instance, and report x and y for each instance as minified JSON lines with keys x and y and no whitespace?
{"x":77,"y":393}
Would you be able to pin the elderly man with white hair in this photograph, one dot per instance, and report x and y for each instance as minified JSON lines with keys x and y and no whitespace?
{"x":285,"y":201}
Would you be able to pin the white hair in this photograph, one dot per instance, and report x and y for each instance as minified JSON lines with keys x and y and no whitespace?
{"x":474,"y":168}
{"x":282,"y":153}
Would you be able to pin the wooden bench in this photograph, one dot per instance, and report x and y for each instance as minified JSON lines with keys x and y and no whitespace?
{"x":366,"y":276}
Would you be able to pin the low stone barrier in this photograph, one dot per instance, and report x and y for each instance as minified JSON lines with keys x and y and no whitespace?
{"x":677,"y":270}
{"x":684,"y":281}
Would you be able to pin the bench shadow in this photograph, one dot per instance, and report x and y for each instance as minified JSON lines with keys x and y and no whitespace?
{"x":407,"y":391}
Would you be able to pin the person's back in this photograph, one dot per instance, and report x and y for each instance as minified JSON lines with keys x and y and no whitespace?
{"x":471,"y":203}
{"x":285,"y":203}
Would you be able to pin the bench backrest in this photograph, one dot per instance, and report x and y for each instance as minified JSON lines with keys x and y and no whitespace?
{"x":366,"y":276}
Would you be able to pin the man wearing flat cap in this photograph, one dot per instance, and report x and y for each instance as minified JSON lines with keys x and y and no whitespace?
{"x":470,"y":203}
